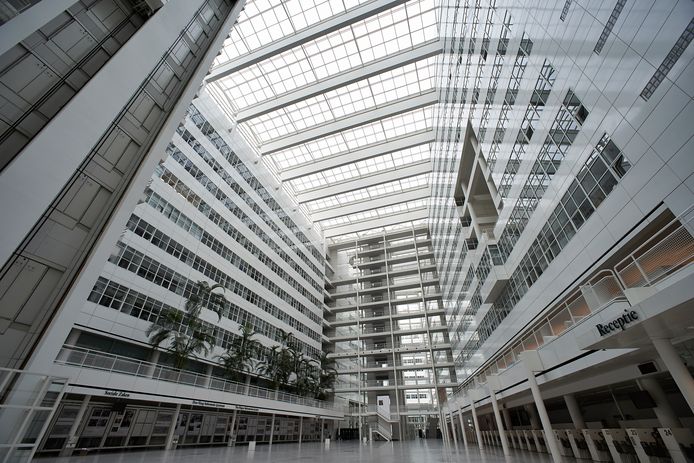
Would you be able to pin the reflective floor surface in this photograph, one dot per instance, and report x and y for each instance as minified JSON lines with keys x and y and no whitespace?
{"x":417,"y":451}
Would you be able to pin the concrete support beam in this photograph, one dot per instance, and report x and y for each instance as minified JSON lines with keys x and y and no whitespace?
{"x":367,"y":205}
{"x":301,"y":37}
{"x":386,"y":64}
{"x":376,"y":223}
{"x":350,"y":157}
{"x":392,"y":109}
{"x":364,"y":182}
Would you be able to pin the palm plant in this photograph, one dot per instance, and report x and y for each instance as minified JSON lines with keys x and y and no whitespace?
{"x":185,"y":332}
{"x":278,"y":364}
{"x":327,"y":374}
{"x":238,"y":359}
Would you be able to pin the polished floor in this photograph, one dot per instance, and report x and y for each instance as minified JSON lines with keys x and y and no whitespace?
{"x":418,"y":451}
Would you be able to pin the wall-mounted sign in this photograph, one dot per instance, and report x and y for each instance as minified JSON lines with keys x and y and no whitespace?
{"x":207,"y":403}
{"x":115,"y":393}
{"x":620,"y":323}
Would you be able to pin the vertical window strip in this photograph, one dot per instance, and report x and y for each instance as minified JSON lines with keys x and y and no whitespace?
{"x":538,"y":100}
{"x":610,"y":24}
{"x":669,"y":62}
{"x":565,"y":10}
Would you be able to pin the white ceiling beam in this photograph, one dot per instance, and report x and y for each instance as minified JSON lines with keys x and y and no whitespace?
{"x":340,"y":80}
{"x":350,"y":157}
{"x":364,"y":182}
{"x":346,"y":123}
{"x":394,"y":219}
{"x":370,"y":204}
{"x":294,"y":40}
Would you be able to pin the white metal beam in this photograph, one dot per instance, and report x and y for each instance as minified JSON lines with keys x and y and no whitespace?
{"x":394,"y":219}
{"x":346,"y":123}
{"x":369,"y":204}
{"x":310,"y":33}
{"x":364,"y":182}
{"x":340,"y":80}
{"x":350,"y":157}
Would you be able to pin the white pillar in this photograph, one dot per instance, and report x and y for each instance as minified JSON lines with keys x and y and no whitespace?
{"x":462,"y":427}
{"x":476,"y":423}
{"x":72,"y":435}
{"x":172,"y":429}
{"x":444,"y":428}
{"x":574,"y":411}
{"x":532,"y":414}
{"x":272,"y":428}
{"x":232,"y":433}
{"x":153,"y":359}
{"x":453,"y":431}
{"x":301,"y":428}
{"x":499,"y":423}
{"x":507,"y":418}
{"x":677,"y":369}
{"x":550,"y":438}
{"x":663,"y":410}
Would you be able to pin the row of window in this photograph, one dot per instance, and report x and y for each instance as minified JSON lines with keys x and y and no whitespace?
{"x":538,"y":101}
{"x":494,"y":75}
{"x":151,"y":270}
{"x":216,"y":218}
{"x":214,"y":137}
{"x":128,"y":301}
{"x":166,"y":243}
{"x":562,"y":134}
{"x":519,"y":65}
{"x":213,"y":188}
{"x":596,"y":179}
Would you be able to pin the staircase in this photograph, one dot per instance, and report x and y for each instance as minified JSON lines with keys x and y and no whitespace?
{"x":382,"y":427}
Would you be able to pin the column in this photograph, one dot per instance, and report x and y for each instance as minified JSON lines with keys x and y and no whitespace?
{"x":172,"y":429}
{"x":153,"y":359}
{"x":272,"y":428}
{"x":506,"y":413}
{"x":476,"y":423}
{"x":72,"y":435}
{"x":550,"y":438}
{"x":574,"y":411}
{"x":322,"y":429}
{"x":532,"y":414}
{"x":301,"y":428}
{"x":677,"y":369}
{"x":70,"y":341}
{"x":499,"y":423}
{"x":666,"y":416}
{"x":208,"y":376}
{"x":462,"y":427}
{"x":455,"y":434}
{"x":232,"y":429}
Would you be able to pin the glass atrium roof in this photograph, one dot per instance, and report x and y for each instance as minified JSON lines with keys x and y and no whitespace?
{"x":337,"y":97}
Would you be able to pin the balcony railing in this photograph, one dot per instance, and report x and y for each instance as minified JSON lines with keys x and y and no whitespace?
{"x":88,"y":358}
{"x":661,"y":256}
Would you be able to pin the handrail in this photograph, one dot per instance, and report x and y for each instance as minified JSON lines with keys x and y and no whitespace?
{"x":662,"y":255}
{"x":89,"y":358}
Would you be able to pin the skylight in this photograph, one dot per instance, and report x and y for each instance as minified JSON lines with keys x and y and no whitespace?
{"x":303,"y":92}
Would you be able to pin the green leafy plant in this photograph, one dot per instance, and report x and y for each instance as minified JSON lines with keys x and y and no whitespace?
{"x":183,"y":333}
{"x":238,"y":360}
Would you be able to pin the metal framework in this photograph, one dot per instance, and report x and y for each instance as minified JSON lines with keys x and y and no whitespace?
{"x":337,"y":98}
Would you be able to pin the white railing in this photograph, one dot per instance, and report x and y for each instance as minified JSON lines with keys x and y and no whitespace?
{"x":87,"y":358}
{"x":662,"y":255}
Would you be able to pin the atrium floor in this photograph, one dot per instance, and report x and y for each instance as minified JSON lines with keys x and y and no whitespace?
{"x":417,"y":451}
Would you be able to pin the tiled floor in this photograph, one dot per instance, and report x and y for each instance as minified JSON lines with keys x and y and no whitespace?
{"x":418,"y":451}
